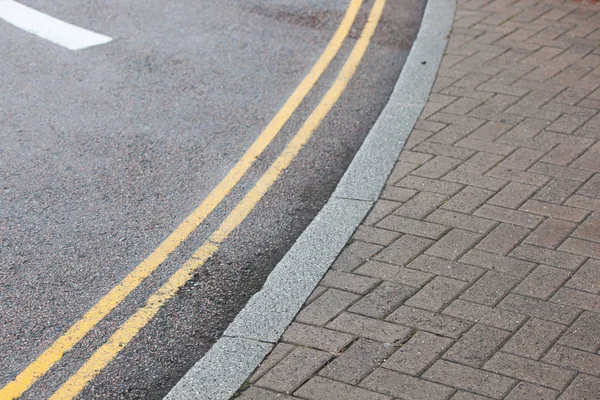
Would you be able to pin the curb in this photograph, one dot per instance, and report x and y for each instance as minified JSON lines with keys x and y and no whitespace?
{"x":257,"y":328}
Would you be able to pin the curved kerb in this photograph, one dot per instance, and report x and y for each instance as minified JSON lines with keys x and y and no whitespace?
{"x":257,"y":328}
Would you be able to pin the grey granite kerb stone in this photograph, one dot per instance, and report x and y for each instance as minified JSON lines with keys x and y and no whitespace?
{"x":258,"y":327}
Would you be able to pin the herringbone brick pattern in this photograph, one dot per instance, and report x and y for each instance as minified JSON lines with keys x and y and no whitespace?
{"x":477,"y":274}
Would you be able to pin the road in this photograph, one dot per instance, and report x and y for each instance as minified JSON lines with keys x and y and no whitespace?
{"x":106,"y":150}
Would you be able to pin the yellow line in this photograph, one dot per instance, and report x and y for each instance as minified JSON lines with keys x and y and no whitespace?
{"x":104,"y":306}
{"x":122,"y":336}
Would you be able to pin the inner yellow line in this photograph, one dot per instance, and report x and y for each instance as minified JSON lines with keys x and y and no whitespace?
{"x":122,"y":336}
{"x":40,"y":366}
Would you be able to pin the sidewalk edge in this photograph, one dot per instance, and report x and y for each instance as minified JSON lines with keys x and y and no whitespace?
{"x":260,"y":324}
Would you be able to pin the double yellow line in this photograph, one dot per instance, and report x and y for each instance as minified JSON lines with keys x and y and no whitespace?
{"x":123,"y":335}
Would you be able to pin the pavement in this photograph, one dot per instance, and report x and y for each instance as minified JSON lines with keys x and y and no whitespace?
{"x":476,"y":274}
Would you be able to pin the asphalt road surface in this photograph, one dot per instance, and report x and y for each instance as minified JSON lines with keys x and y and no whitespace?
{"x":105,"y":151}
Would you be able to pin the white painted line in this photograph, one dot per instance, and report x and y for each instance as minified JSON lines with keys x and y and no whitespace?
{"x":62,"y":33}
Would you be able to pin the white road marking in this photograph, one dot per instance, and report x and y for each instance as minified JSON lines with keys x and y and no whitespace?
{"x":62,"y":33}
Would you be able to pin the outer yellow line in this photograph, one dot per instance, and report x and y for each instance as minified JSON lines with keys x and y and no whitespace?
{"x":122,"y":336}
{"x":104,"y":306}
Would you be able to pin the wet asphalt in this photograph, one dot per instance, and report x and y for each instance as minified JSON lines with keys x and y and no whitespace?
{"x":104,"y":151}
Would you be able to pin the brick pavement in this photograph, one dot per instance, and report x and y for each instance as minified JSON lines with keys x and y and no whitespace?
{"x":477,"y":273}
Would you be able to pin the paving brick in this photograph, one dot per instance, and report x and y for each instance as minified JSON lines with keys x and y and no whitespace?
{"x":551,"y":233}
{"x":421,"y":205}
{"x":519,"y":176}
{"x":412,"y":226}
{"x":590,"y":160}
{"x":348,"y":282}
{"x":485,"y":315}
{"x":293,"y":370}
{"x":373,"y":235}
{"x":439,"y":149}
{"x":503,"y":239}
{"x":398,"y":194}
{"x":509,"y":265}
{"x":582,"y":387}
{"x":403,"y":250}
{"x":477,"y":345}
{"x":470,"y":379}
{"x":394,"y":273}
{"x":370,"y":328}
{"x":589,"y":229}
{"x":461,"y":221}
{"x":277,"y":354}
{"x":543,"y":282}
{"x":382,"y":208}
{"x":587,"y":278}
{"x":405,"y":386}
{"x":429,"y":185}
{"x":354,"y":255}
{"x":554,"y":210}
{"x":256,"y":393}
{"x":529,"y":391}
{"x":533,"y":338}
{"x":461,"y":395}
{"x":429,"y":322}
{"x":575,"y":298}
{"x":383,"y":300}
{"x":450,"y":269}
{"x":437,"y":167}
{"x":581,"y":247}
{"x":316,"y":337}
{"x":537,"y":308}
{"x":521,"y":159}
{"x":509,"y":216}
{"x":319,"y":388}
{"x":490,"y":288}
{"x":454,"y":244}
{"x":450,"y":134}
{"x":565,"y":153}
{"x":578,"y":360}
{"x":557,"y":191}
{"x":326,"y":307}
{"x":529,"y":370}
{"x":475,"y":179}
{"x":401,"y":169}
{"x":356,"y":362}
{"x":480,"y":163}
{"x":554,"y":258}
{"x":583,"y":334}
{"x":414,"y":157}
{"x":587,"y":203}
{"x":513,"y":195}
{"x":418,"y":353}
{"x":591,"y":187}
{"x":436,"y":294}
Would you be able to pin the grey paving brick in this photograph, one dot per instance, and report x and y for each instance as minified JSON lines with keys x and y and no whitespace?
{"x":467,"y":200}
{"x":543,"y":282}
{"x":529,"y":391}
{"x":326,"y":307}
{"x":461,"y":221}
{"x":430,"y":322}
{"x":584,"y":334}
{"x":316,"y":337}
{"x":383,"y":300}
{"x":416,"y":354}
{"x":551,"y":233}
{"x":547,"y":256}
{"x":574,"y":359}
{"x":421,"y":205}
{"x":293,"y":370}
{"x":354,"y":255}
{"x":583,"y":387}
{"x":436,"y":294}
{"x":538,"y":308}
{"x":490,"y":288}
{"x":450,"y":269}
{"x":319,"y":388}
{"x":503,"y":239}
{"x":454,"y":244}
{"x":256,"y":393}
{"x":477,"y":345}
{"x":373,"y":235}
{"x":356,"y":362}
{"x":529,"y":370}
{"x":534,"y":338}
{"x":349,"y":282}
{"x":486,"y":315}
{"x":469,"y":379}
{"x":394,"y":273}
{"x":403,"y":250}
{"x":370,"y":328}
{"x":412,"y":226}
{"x":509,"y":265}
{"x":277,"y":354}
{"x":405,"y":386}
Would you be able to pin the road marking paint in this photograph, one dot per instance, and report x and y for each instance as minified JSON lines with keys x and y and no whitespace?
{"x":40,"y":366}
{"x":130,"y":328}
{"x":62,"y":33}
